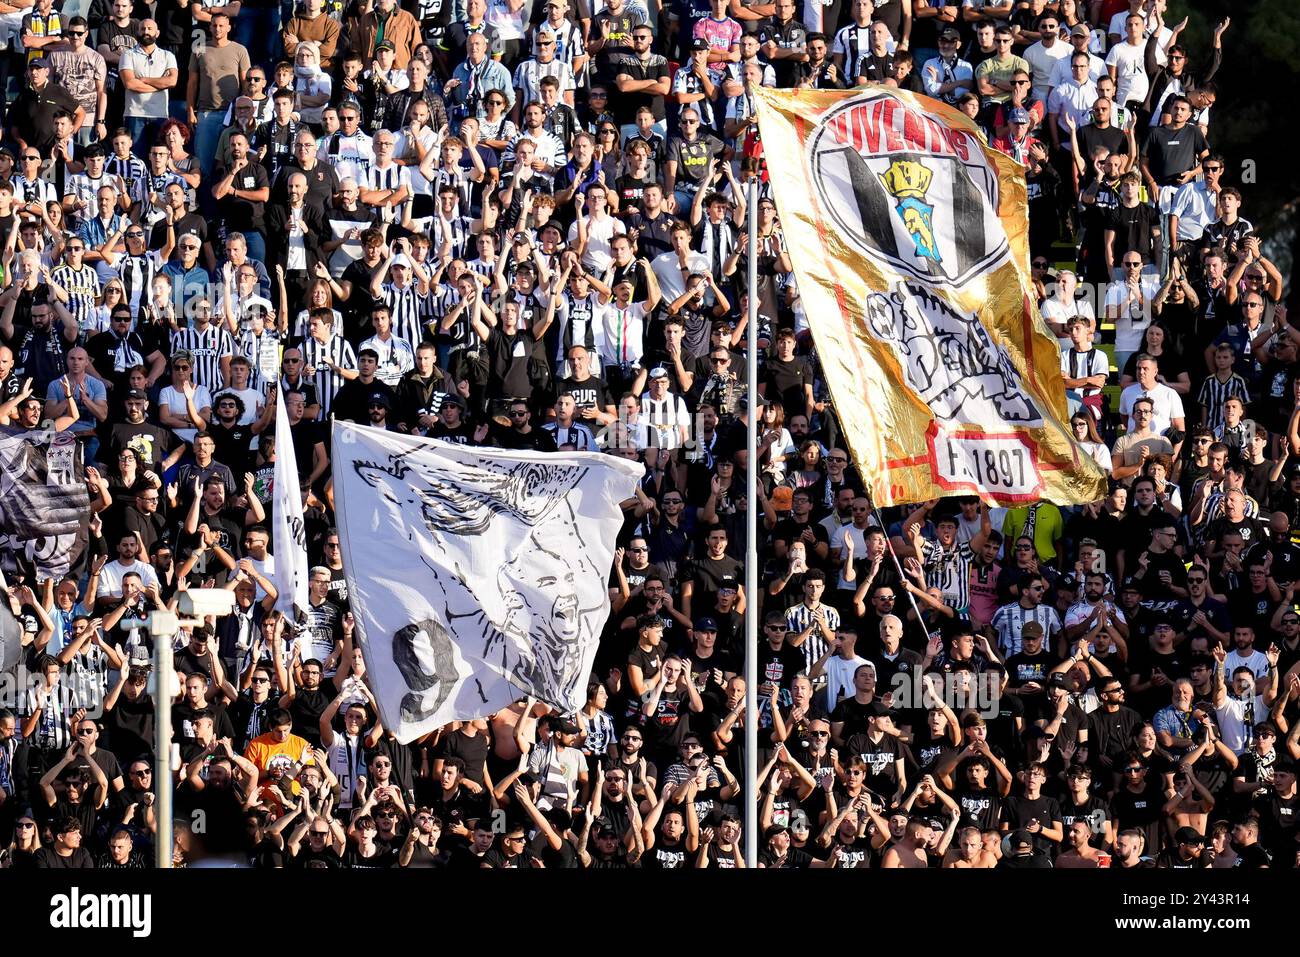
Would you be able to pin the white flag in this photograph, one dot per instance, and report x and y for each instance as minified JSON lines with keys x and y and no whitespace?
{"x":290,"y":539}
{"x":477,"y":576}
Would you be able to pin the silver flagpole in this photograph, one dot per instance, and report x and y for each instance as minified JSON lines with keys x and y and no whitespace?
{"x":751,"y":545}
{"x":163,"y":676}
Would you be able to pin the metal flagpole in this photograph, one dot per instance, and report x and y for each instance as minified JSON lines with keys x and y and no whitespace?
{"x":164,"y":677}
{"x":898,"y":567}
{"x":751,"y":545}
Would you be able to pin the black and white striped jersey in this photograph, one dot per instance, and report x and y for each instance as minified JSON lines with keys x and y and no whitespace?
{"x":319,"y":355}
{"x":82,"y":287}
{"x":208,"y":347}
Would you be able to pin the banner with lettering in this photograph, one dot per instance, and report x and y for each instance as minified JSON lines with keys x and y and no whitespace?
{"x":908,"y":237}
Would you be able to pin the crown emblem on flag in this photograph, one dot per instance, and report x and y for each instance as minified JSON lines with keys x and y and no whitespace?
{"x":907,"y":179}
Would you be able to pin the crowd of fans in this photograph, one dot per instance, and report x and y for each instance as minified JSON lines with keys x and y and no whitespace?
{"x":523,"y":225}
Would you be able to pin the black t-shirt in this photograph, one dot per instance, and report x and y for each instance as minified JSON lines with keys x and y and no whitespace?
{"x":306,"y":708}
{"x":982,"y":809}
{"x":785,"y":381}
{"x":151,"y":442}
{"x":49,"y":859}
{"x":881,"y":757}
{"x":1278,"y":820}
{"x":242,"y":215}
{"x":326,"y":858}
{"x":779,"y":666}
{"x":384,"y":857}
{"x":1095,"y":811}
{"x":625,"y":105}
{"x":360,"y":303}
{"x":665,"y":857}
{"x":1172,"y":152}
{"x":694,"y":160}
{"x":1019,"y":810}
{"x":1143,"y":810}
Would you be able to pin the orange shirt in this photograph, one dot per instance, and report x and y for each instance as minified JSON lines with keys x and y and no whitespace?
{"x":269,"y":754}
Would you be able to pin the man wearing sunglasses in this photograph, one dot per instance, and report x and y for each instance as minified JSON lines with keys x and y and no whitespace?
{"x":82,"y":71}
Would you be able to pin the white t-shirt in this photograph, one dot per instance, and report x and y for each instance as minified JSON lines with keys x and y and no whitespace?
{"x":599,"y":255}
{"x":1130,"y":72}
{"x":110,"y":577}
{"x":174,"y":400}
{"x":1042,"y":61}
{"x":1061,"y":72}
{"x":839,"y":678}
{"x":1168,"y":405}
{"x":1058,"y":312}
{"x":1132,"y":322}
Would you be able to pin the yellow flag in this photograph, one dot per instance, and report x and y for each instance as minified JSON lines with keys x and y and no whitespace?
{"x":908,"y":237}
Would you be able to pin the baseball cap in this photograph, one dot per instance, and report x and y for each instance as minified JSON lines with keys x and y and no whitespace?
{"x":706,"y":624}
{"x":699,"y":43}
{"x":138,"y":394}
{"x":379,"y":398}
{"x":659,"y":372}
{"x":562,"y":725}
{"x":401,"y":259}
{"x":1018,"y":115}
{"x":1021,"y":838}
{"x":1130,"y":584}
{"x":948,"y":33}
{"x":1080,"y":30}
{"x":385,"y":45}
{"x":40,"y":63}
{"x":729,"y":583}
{"x":1031,"y":629}
{"x":1059,"y":681}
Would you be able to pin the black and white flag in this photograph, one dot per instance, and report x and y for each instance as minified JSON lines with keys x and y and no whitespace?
{"x":477,"y":576}
{"x":43,"y":500}
{"x":288,"y":531}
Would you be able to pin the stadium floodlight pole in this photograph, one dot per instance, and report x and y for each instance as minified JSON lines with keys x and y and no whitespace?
{"x":751,"y":544}
{"x":162,"y":628}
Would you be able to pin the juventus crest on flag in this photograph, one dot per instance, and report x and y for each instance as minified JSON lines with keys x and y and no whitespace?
{"x":908,"y":240}
{"x":477,"y":576}
{"x":43,"y":500}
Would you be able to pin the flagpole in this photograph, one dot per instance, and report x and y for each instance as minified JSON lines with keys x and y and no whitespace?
{"x":902,"y":577}
{"x":751,"y":543}
{"x":162,"y":634}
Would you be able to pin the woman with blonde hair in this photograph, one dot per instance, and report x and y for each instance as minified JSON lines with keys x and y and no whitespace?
{"x":113,"y":294}
{"x":21,"y":853}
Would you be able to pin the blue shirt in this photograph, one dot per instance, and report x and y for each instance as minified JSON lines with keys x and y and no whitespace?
{"x":188,"y":284}
{"x":91,"y":386}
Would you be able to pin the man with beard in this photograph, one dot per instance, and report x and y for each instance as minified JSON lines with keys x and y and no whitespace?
{"x":307,"y":700}
{"x":216,"y":781}
{"x":1092,"y":610}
